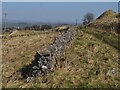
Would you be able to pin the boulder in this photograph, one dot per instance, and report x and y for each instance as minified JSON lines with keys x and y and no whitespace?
{"x":62,"y":28}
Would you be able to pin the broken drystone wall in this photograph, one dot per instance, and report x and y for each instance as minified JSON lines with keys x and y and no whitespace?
{"x":46,"y":61}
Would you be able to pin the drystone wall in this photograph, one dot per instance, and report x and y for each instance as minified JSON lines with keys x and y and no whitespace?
{"x":47,"y":60}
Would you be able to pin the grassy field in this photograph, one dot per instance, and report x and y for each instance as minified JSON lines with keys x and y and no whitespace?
{"x":88,"y":61}
{"x":19,"y":48}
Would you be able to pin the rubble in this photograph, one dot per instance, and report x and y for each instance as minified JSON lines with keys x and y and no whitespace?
{"x":46,"y":61}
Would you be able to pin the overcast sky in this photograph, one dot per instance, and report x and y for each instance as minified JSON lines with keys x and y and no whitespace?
{"x":54,"y":12}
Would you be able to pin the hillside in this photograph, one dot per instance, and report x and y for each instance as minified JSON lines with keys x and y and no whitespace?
{"x":91,"y":62}
{"x":107,"y":21}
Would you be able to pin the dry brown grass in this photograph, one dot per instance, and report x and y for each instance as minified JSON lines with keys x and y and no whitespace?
{"x":20,"y":50}
{"x":87,"y":61}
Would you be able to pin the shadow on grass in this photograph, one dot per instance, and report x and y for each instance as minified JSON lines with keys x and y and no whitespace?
{"x":104,"y":37}
{"x":25,"y":71}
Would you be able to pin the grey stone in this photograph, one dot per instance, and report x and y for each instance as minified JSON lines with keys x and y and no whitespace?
{"x":46,"y":61}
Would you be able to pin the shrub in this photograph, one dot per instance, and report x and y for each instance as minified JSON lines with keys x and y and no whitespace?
{"x":43,"y":27}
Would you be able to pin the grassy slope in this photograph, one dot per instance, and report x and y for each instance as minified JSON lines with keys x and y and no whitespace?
{"x":95,"y":54}
{"x":107,"y":21}
{"x":20,"y":50}
{"x":87,"y":61}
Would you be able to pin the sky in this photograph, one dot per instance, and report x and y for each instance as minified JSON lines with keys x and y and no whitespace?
{"x":54,"y":12}
{"x":60,"y":0}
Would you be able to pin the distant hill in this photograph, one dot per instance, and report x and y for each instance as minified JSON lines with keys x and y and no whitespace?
{"x":18,"y":24}
{"x":107,"y":21}
{"x":27,"y":23}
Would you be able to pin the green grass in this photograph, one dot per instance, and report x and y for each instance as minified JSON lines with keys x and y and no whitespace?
{"x":92,"y":54}
{"x":106,"y":37}
{"x":95,"y":57}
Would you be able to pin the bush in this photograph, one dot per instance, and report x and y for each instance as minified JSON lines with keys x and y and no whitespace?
{"x":34,"y":27}
{"x":88,"y":18}
{"x":43,"y":27}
